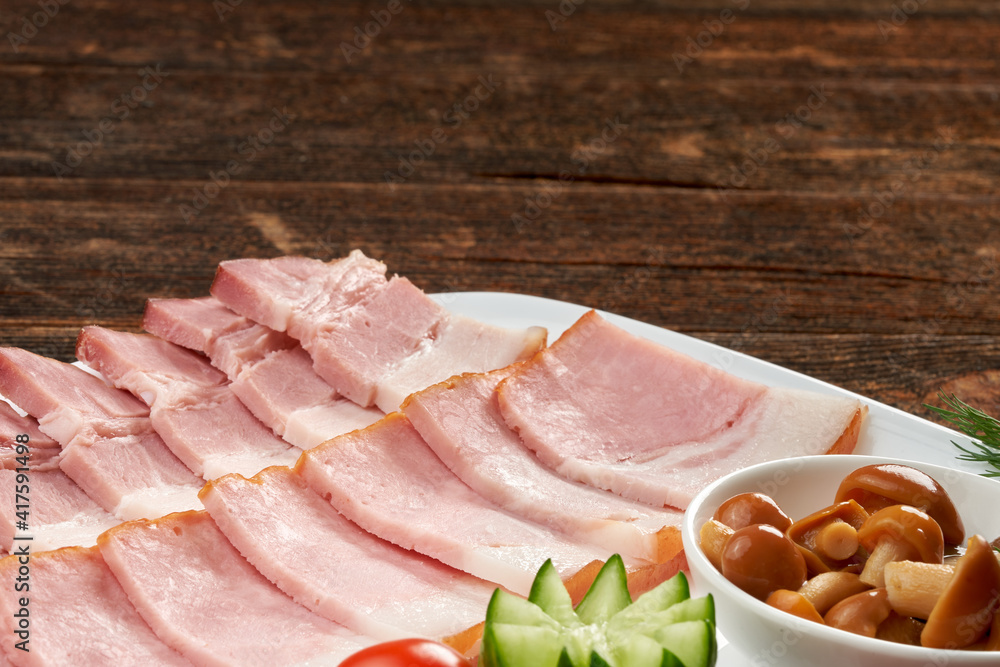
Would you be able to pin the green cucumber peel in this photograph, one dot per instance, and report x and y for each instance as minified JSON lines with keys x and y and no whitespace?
{"x":664,"y":627}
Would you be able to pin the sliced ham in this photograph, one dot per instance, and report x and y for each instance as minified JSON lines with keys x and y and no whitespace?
{"x":109,"y":447}
{"x":58,"y":513}
{"x":191,"y":404}
{"x":78,"y":614}
{"x":374,"y":340}
{"x":460,"y":420}
{"x":387,"y":480}
{"x":619,"y":412}
{"x":270,"y":372}
{"x":329,"y":564}
{"x":207,"y":602}
{"x":43,"y":451}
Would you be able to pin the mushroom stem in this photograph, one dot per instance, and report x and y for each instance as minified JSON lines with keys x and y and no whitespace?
{"x":838,"y":540}
{"x":914,"y":588}
{"x":827,"y":589}
{"x":886,"y":551}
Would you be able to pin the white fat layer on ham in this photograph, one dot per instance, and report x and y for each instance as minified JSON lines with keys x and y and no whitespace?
{"x":461,"y":421}
{"x":79,"y":615}
{"x":201,"y":597}
{"x":329,"y":564}
{"x":462,"y":345}
{"x":607,"y":408}
{"x":192,"y":406}
{"x":59,"y":513}
{"x":109,"y":447}
{"x":374,"y":340}
{"x":387,"y":480}
{"x":271,"y":373}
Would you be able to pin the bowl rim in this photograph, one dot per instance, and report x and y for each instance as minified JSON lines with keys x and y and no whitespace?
{"x":698,"y":561}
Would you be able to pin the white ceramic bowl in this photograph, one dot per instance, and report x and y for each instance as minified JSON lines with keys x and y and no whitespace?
{"x":801,"y":486}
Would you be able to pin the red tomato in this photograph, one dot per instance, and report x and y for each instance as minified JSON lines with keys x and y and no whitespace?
{"x":407,"y":653}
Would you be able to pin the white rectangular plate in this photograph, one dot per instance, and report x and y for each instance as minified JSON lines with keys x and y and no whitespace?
{"x":888,"y":431}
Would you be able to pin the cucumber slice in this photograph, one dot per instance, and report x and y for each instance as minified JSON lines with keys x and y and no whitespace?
{"x":693,"y":642}
{"x":662,"y":628}
{"x":549,"y":593}
{"x":608,"y":595}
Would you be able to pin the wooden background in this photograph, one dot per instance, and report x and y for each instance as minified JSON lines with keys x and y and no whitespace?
{"x":808,"y":182}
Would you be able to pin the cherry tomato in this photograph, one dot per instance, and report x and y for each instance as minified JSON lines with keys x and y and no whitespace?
{"x":407,"y":653}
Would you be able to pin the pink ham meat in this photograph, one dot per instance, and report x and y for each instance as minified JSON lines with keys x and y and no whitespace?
{"x":387,"y":480}
{"x":460,"y":420}
{"x":333,"y":567}
{"x":207,"y":602}
{"x":619,"y":412}
{"x":270,"y":372}
{"x":191,"y":404}
{"x":43,"y":451}
{"x":109,"y":447}
{"x":59,"y":513}
{"x":78,"y":615}
{"x":375,"y":340}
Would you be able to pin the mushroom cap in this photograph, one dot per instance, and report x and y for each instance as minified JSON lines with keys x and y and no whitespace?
{"x":760,"y":559}
{"x":913,"y":531}
{"x":878,"y":486}
{"x":746,"y":509}
{"x":966,"y":608}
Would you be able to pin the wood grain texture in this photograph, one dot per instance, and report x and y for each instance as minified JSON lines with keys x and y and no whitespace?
{"x":808,"y":182}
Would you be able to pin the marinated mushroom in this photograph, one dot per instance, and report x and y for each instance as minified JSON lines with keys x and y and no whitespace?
{"x":861,"y":614}
{"x":794,"y":603}
{"x":898,"y":532}
{"x":831,"y":533}
{"x":966,"y":609}
{"x":713,"y":537}
{"x":876,"y":487}
{"x":827,"y":589}
{"x":759,"y":559}
{"x":747,"y":509}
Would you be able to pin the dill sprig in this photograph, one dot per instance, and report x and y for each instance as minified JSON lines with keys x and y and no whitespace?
{"x":982,"y":428}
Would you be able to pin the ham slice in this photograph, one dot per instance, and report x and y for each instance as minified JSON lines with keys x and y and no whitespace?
{"x":78,"y":614}
{"x":618,"y":412}
{"x":109,"y":447}
{"x":375,"y":340}
{"x":43,"y":451}
{"x":460,"y":420}
{"x":387,"y":480}
{"x":208,"y":603}
{"x":270,"y":372}
{"x":333,"y":567}
{"x":59,"y":513}
{"x":191,"y":404}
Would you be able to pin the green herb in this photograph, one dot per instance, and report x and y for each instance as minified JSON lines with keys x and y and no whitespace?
{"x":982,"y":428}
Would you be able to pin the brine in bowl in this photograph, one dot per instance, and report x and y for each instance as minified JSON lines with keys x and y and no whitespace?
{"x":801,"y":486}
